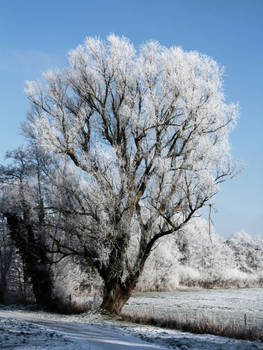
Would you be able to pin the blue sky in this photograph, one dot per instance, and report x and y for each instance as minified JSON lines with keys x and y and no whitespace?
{"x":37,"y":34}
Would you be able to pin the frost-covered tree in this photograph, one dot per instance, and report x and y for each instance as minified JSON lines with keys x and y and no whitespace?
{"x":6,"y":253}
{"x":248,"y":251}
{"x":206,"y":258}
{"x":197,"y":256}
{"x":22,"y":205}
{"x":160,"y":271}
{"x":147,"y":135}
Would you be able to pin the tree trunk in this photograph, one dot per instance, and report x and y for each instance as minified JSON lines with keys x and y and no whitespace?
{"x":3,"y":291}
{"x":42,"y":284}
{"x":116,"y":294}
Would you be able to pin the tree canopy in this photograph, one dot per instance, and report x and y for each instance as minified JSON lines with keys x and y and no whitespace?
{"x":146,"y":133}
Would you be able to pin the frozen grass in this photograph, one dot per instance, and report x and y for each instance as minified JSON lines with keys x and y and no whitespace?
{"x":199,"y":326}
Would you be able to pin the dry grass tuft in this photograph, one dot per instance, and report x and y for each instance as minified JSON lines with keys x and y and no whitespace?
{"x":201,"y":326}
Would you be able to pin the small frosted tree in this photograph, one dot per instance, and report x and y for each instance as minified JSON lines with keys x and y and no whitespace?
{"x":22,"y":199}
{"x":248,"y":252}
{"x":148,"y":133}
{"x":6,"y":255}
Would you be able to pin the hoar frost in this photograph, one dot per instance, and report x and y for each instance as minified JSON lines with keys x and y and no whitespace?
{"x":148,"y":131}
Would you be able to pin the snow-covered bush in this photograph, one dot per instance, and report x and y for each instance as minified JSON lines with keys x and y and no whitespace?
{"x":161,"y":269}
{"x":77,"y":288}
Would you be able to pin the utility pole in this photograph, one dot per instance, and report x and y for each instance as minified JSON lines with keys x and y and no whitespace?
{"x":209,"y":219}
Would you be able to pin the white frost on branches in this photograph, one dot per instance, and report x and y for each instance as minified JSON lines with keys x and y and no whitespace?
{"x":147,"y":130}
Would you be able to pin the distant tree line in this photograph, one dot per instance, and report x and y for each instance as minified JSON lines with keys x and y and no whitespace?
{"x":195,"y":259}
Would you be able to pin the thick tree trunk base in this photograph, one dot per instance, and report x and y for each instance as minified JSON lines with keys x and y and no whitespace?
{"x":115,"y":297}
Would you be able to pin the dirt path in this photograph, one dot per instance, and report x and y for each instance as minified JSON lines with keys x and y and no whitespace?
{"x":98,"y":336}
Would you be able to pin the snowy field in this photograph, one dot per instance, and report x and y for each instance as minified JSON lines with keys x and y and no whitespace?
{"x":221,"y":306}
{"x":22,"y":329}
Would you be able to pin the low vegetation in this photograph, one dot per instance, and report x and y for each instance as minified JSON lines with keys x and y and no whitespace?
{"x":200,"y":326}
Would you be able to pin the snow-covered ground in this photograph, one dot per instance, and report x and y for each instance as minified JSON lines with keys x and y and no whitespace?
{"x":221,"y":306}
{"x":16,"y":334}
{"x":188,"y":341}
{"x":33,"y":330}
